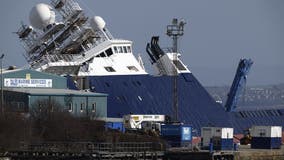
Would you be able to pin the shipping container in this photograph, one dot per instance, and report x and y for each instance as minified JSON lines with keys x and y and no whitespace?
{"x":220,"y":138}
{"x":266,"y":137}
{"x":115,"y":126}
{"x":176,"y":135}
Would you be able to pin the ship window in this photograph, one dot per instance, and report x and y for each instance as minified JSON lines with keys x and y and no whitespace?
{"x":251,"y":114}
{"x":109,"y":52}
{"x":239,"y":114}
{"x":140,"y":98}
{"x":242,"y":114}
{"x":279,"y":112}
{"x":132,"y":68}
{"x":120,"y":50}
{"x":124,"y":49}
{"x":94,"y":107}
{"x":179,"y":65}
{"x":248,"y":113}
{"x":115,"y":49}
{"x":128,"y":49}
{"x":245,"y":114}
{"x":275,"y":113}
{"x":264,"y":113}
{"x":109,"y":69}
{"x":272,"y":112}
{"x":138,"y":83}
{"x":101,"y":55}
{"x":269,"y":113}
{"x":258,"y":114}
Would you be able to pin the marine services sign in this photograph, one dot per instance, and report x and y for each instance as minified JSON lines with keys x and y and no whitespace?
{"x":21,"y":82}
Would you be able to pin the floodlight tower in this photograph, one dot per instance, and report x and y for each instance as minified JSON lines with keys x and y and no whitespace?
{"x":175,"y":30}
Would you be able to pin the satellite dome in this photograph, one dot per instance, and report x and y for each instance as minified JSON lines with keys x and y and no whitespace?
{"x":41,"y":15}
{"x":98,"y":23}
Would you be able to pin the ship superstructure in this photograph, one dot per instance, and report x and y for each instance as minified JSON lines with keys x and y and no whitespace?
{"x":62,"y":40}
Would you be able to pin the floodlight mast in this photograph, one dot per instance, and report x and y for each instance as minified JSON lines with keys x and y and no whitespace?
{"x":175,"y":30}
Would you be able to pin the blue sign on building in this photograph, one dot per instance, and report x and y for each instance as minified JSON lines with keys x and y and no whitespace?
{"x":186,"y":134}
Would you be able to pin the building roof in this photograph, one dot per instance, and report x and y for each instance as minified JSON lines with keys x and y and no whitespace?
{"x":58,"y":92}
{"x":6,"y":71}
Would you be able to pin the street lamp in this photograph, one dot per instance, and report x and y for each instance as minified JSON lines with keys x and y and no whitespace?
{"x":2,"y":104}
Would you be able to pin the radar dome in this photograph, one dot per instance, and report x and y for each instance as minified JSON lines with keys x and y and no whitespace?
{"x":41,"y":15}
{"x":98,"y":23}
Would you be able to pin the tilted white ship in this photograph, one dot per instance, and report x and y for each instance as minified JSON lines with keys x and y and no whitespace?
{"x":62,"y":40}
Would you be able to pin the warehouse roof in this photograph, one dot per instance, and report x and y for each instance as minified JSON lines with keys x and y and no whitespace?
{"x":7,"y":71}
{"x":50,"y":91}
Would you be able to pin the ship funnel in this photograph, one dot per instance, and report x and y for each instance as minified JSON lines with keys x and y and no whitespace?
{"x":97,"y":23}
{"x":41,"y":16}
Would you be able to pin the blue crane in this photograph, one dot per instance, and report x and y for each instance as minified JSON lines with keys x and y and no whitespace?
{"x":238,"y":84}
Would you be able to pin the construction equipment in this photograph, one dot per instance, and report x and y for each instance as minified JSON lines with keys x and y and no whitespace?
{"x":143,"y":122}
{"x":247,"y":138}
{"x":238,"y":84}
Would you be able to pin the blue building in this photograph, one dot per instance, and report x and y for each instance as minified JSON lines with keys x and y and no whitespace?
{"x":25,"y":89}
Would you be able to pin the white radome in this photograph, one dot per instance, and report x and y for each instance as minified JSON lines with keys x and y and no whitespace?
{"x":97,"y":23}
{"x":41,"y":15}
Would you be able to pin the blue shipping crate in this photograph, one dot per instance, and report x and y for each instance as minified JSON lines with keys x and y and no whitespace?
{"x":227,"y":144}
{"x":266,"y":142}
{"x":115,"y":125}
{"x":184,"y":132}
{"x":170,"y":129}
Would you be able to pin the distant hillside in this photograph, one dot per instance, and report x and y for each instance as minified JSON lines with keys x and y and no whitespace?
{"x":269,"y":95}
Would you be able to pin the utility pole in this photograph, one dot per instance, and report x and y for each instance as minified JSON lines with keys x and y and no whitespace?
{"x":175,"y":30}
{"x":2,"y":99}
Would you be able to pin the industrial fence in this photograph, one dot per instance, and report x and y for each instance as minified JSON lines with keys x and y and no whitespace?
{"x":94,"y":147}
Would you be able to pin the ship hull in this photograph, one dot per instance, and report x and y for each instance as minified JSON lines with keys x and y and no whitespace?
{"x":147,"y":94}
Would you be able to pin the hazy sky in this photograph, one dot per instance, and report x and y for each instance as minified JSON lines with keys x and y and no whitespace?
{"x":218,"y":33}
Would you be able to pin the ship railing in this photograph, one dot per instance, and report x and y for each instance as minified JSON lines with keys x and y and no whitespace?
{"x":31,"y":42}
{"x":88,"y":54}
{"x":57,"y":3}
{"x":74,"y":5}
{"x":59,"y":57}
{"x":38,"y":63}
{"x":71,"y":10}
{"x":67,"y":41}
{"x":108,"y":34}
{"x":96,"y":43}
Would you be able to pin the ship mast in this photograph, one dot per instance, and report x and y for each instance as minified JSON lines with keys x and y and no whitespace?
{"x":175,"y":30}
